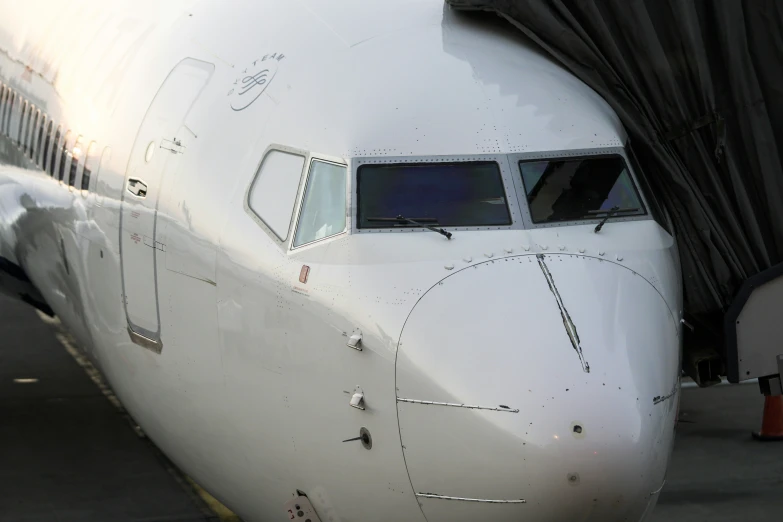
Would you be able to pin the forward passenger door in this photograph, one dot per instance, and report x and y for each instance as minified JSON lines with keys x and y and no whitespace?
{"x":155,"y":143}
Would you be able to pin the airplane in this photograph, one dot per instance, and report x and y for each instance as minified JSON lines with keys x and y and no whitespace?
{"x":346,"y":261}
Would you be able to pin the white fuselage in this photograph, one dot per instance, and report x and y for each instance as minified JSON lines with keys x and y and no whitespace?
{"x":228,"y":344}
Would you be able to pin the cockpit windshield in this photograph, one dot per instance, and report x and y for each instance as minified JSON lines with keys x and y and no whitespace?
{"x":571,"y":189}
{"x":463,"y":194}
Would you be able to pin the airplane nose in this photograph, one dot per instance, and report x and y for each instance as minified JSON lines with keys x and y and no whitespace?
{"x":538,"y":388}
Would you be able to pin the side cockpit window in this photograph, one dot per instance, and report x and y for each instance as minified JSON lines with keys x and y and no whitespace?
{"x":272,"y":196}
{"x":324,"y":203}
{"x":571,"y":189}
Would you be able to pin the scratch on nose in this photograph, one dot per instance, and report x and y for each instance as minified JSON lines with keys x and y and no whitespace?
{"x":569,"y":325}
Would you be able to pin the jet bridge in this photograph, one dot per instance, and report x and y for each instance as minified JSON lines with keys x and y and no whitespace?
{"x":752,"y":329}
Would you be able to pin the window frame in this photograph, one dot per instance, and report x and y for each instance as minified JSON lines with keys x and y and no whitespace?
{"x":303,"y":191}
{"x":63,"y":155}
{"x":5,"y":93}
{"x":54,"y":154}
{"x":28,"y":132}
{"x":21,"y":131}
{"x":75,"y":166}
{"x":45,"y":154}
{"x":509,"y":188}
{"x":35,"y":117}
{"x":246,"y":201}
{"x":9,"y":116}
{"x":89,"y":160}
{"x":39,"y":141}
{"x":515,"y":159}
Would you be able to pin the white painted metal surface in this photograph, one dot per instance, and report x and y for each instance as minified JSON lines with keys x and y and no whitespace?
{"x":251,"y":393}
{"x":586,"y":406}
{"x":139,"y":243}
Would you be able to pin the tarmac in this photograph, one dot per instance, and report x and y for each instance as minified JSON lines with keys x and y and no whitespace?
{"x":69,"y":452}
{"x":718,"y":473}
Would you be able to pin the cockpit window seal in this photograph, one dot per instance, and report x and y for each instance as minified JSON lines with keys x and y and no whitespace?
{"x":283,"y":242}
{"x":323,"y":158}
{"x":514,"y":160}
{"x":500,"y":159}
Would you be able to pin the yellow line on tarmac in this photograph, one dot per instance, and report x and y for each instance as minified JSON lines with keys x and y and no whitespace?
{"x":225,"y":514}
{"x":65,"y":339}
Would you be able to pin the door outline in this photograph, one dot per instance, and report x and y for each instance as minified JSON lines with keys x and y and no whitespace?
{"x":138,"y":334}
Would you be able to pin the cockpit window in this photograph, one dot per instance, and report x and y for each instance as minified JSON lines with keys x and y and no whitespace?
{"x":462,"y":194}
{"x":579,"y":188}
{"x":323,"y":207}
{"x":273,"y":194}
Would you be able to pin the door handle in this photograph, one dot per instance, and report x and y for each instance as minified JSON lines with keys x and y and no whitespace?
{"x":137,"y":187}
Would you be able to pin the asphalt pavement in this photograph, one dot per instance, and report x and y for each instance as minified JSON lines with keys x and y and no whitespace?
{"x":718,"y":473}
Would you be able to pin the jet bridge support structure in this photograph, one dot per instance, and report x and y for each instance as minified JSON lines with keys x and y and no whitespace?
{"x":754,"y":343}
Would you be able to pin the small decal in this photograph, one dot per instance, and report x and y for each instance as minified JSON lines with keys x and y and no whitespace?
{"x":253,"y":81}
{"x":303,"y":274}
